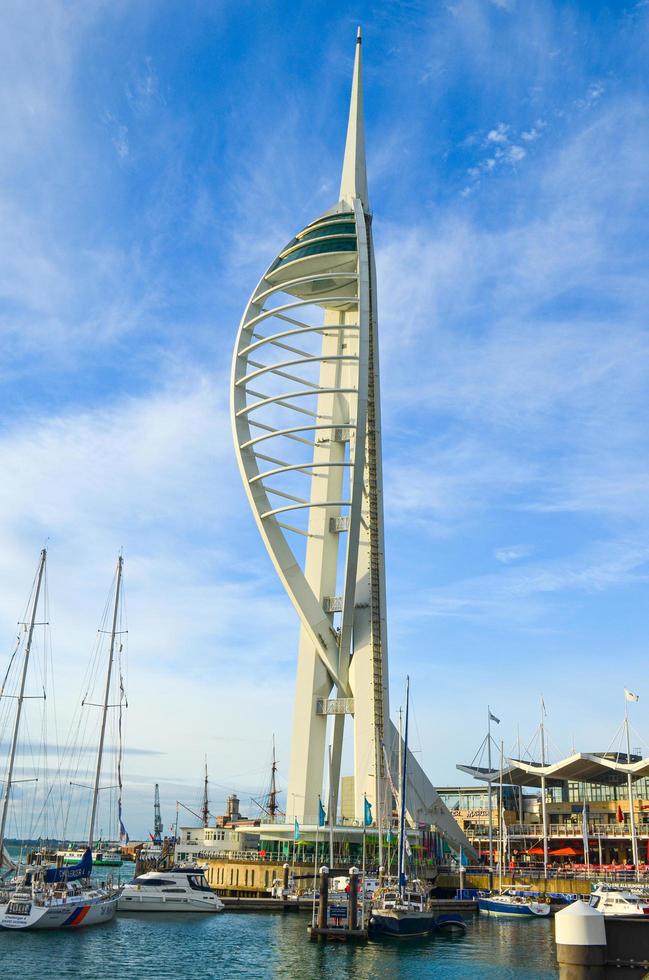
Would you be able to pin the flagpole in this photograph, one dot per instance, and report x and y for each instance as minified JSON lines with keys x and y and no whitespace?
{"x":315,"y":861}
{"x":634,"y":839}
{"x":491,"y":828}
{"x":363,"y":872}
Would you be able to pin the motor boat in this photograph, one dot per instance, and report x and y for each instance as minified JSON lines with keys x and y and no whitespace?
{"x":177,"y":890}
{"x":618,"y":901}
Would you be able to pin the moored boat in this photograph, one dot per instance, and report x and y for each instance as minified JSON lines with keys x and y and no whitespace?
{"x":401,"y":912}
{"x":514,"y":906}
{"x":177,"y":890}
{"x":63,"y":897}
{"x":615,"y":902}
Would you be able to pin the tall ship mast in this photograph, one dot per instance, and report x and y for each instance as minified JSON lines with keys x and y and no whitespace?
{"x":205,"y":806}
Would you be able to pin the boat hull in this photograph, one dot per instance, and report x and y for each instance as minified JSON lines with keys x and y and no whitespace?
{"x":68,"y":915}
{"x":146,"y":903}
{"x":394,"y":922}
{"x":492,"y":906}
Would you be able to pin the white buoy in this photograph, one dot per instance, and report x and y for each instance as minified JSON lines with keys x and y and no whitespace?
{"x":580,"y":937}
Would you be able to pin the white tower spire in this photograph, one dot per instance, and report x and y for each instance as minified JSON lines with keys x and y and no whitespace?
{"x":306,"y":421}
{"x":353,"y":183}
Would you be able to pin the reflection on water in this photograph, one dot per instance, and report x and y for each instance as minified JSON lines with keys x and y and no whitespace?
{"x":257,"y":945}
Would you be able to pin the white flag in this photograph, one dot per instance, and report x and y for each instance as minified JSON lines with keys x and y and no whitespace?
{"x":631,"y":697}
{"x":504,"y":827}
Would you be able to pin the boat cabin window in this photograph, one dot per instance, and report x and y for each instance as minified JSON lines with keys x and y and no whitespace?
{"x":180,"y":891}
{"x":155,"y":882}
{"x":198,"y":883}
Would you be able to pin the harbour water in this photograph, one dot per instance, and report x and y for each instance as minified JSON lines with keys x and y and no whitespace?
{"x":258,"y":945}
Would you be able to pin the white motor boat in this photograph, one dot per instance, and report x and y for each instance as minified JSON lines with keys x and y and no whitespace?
{"x":618,"y":901}
{"x":178,"y":890}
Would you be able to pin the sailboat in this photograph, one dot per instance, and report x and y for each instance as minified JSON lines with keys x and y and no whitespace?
{"x":402,"y":908}
{"x":507,"y":902}
{"x":61,"y":897}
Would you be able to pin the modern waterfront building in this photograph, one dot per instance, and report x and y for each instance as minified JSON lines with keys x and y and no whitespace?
{"x":545,"y":808}
{"x":306,"y":420}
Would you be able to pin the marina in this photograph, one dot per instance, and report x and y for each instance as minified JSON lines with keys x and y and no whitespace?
{"x":250,"y":944}
{"x":351,"y":860}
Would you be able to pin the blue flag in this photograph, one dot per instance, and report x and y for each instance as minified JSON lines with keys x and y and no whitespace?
{"x":296,"y":830}
{"x":368,"y":813}
{"x":390,"y":836}
{"x":322,"y":816}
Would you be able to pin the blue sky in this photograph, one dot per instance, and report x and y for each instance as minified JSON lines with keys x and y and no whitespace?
{"x":155,"y":157}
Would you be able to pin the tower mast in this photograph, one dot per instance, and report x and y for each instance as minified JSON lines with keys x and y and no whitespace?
{"x":19,"y":708}
{"x":205,"y":809}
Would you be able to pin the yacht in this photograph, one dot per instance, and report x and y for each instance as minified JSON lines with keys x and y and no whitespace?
{"x":177,"y":890}
{"x":618,"y":901}
{"x":57,"y":898}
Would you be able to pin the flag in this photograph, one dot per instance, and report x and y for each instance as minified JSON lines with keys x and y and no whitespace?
{"x":543,"y":708}
{"x":322,"y":815}
{"x":630,"y":696}
{"x":504,"y":827}
{"x":390,"y":836}
{"x":584,"y":831}
{"x":620,"y":815}
{"x":123,"y":835}
{"x":492,"y":717}
{"x":296,"y":830}
{"x":367,"y":816}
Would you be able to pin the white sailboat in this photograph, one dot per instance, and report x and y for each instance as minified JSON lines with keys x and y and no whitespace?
{"x":63,"y":897}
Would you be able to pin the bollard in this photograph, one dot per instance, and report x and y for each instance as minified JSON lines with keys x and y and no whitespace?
{"x":580,"y":937}
{"x":323,"y":901}
{"x":352,"y":914}
{"x":286,"y":868}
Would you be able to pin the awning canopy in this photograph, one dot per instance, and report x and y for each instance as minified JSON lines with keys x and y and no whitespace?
{"x":608,"y":768}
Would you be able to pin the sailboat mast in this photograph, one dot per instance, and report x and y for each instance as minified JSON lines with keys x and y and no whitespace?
{"x":104,"y":716}
{"x":272,"y":795}
{"x":402,"y":793}
{"x":21,"y":698}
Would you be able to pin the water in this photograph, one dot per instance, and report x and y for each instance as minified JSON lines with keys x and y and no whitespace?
{"x":259,"y":945}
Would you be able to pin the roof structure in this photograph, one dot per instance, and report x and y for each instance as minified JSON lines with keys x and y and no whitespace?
{"x":608,"y":768}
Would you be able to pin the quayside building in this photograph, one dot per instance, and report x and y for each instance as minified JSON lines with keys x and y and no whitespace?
{"x":544,"y":809}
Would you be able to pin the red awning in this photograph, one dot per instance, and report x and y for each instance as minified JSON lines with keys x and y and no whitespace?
{"x":535,"y":850}
{"x":565,"y":852}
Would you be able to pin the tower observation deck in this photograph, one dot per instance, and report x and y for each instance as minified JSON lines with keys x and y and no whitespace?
{"x":306,"y":420}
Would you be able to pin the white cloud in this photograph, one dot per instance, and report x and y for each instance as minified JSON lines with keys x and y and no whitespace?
{"x":499,"y":135}
{"x":511,"y":553}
